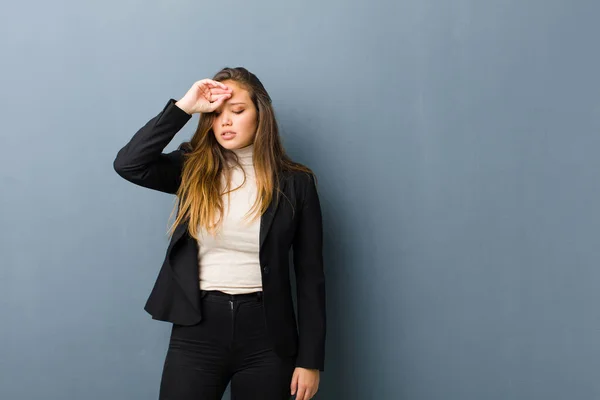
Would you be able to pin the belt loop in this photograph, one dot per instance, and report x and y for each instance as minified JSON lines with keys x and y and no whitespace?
{"x":259,"y":295}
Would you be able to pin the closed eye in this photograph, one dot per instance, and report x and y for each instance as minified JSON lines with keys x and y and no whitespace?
{"x":235,"y":112}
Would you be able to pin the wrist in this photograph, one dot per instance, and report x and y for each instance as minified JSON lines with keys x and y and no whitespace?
{"x":184,"y":106}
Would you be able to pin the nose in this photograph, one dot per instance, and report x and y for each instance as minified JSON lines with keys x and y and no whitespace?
{"x":226,"y":121}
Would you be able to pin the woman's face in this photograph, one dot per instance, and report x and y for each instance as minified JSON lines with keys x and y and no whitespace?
{"x":235,"y":123}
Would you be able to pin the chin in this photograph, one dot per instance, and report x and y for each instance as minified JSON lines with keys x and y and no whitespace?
{"x":233,"y":144}
{"x":230,"y":145}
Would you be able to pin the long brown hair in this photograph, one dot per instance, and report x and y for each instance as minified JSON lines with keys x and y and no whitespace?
{"x":206,"y":162}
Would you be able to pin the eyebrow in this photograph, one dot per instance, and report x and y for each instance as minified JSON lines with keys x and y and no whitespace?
{"x":233,"y":104}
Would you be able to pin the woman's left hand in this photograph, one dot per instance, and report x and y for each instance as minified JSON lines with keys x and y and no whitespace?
{"x":305,"y":382}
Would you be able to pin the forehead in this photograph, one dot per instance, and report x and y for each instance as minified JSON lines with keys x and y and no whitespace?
{"x":238,"y":93}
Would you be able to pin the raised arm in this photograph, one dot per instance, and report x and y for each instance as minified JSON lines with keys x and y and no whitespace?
{"x":142,"y":161}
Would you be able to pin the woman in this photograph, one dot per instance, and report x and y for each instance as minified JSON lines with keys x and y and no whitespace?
{"x":242,"y":204}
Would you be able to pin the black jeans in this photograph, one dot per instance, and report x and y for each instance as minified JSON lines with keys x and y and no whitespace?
{"x":229,"y":344}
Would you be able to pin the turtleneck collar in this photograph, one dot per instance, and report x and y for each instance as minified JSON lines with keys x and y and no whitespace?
{"x":245,"y":155}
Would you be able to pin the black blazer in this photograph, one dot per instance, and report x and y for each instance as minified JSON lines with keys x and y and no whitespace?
{"x":294,"y":222}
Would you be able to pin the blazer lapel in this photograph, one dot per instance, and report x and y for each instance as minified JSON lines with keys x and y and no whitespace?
{"x":267,"y":218}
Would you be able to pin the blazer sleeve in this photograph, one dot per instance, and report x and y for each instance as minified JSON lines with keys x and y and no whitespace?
{"x":142,"y":161}
{"x":310,"y":280}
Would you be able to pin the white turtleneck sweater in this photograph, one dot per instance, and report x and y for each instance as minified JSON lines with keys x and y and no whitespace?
{"x":229,"y":262}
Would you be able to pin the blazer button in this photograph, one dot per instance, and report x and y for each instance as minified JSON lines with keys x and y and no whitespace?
{"x":266,"y":269}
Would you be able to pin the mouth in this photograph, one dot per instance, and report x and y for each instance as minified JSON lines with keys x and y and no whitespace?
{"x":228,"y":134}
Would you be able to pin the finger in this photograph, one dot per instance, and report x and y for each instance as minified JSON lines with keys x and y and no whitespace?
{"x":219,"y":98}
{"x":213,"y":105}
{"x":301,"y":393}
{"x":294,"y":384}
{"x":214,"y":83}
{"x":216,"y":96}
{"x":219,"y":91}
{"x":202,"y":83}
{"x":224,"y":86}
{"x":209,"y":84}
